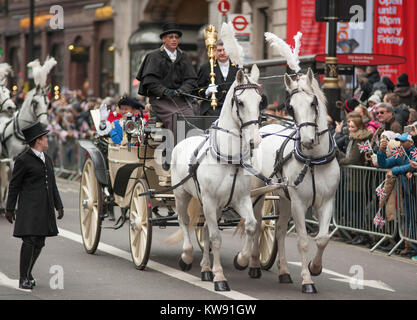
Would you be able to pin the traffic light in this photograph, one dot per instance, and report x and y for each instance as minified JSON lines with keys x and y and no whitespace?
{"x":56,"y":92}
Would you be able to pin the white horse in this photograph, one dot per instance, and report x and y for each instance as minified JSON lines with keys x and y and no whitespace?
{"x":219,"y":184}
{"x":305,"y":154}
{"x":34,"y":108}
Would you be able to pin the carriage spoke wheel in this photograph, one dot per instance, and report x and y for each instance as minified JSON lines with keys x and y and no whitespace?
{"x":91,"y":206}
{"x":268,"y":245}
{"x":140,"y":230}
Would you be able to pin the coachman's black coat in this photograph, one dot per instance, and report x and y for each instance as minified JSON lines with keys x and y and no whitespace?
{"x":223,"y":86}
{"x":33,"y":182}
{"x":158,"y":73}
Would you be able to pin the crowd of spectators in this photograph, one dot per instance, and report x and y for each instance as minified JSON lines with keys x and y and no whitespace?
{"x":384,"y":115}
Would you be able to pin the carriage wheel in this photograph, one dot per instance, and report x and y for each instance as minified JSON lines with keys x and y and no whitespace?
{"x":268,"y":244}
{"x":140,"y":231}
{"x":91,"y":206}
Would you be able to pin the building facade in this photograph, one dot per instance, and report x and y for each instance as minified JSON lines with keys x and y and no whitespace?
{"x":102,"y":43}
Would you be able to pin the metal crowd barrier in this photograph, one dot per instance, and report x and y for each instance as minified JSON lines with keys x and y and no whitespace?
{"x":407,"y":218}
{"x":66,"y":156}
{"x":357,"y":203}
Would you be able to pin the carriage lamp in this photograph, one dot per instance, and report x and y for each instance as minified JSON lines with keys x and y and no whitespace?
{"x":14,"y":90}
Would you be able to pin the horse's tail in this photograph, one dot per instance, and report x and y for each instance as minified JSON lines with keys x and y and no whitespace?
{"x":240,"y":228}
{"x":193,"y":210}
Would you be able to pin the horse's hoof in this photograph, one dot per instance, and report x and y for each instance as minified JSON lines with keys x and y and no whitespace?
{"x":184,"y":266}
{"x":207,"y":276}
{"x":237,"y":265}
{"x":255,"y":273}
{"x":309,"y":288}
{"x":221,"y":286}
{"x":312,"y":273}
{"x":285,"y":278}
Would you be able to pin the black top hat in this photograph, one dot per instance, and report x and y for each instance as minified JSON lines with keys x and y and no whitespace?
{"x":170,"y":27}
{"x":127,"y":101}
{"x":34,"y":131}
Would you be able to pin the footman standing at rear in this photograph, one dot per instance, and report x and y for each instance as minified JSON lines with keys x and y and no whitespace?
{"x":33,"y":182}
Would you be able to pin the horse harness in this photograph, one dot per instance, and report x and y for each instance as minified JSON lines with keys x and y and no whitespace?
{"x":17,"y":131}
{"x":229,"y":159}
{"x":309,"y":161}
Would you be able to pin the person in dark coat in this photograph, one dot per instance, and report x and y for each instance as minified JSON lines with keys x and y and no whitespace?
{"x":34,"y":188}
{"x":225,"y":72}
{"x":406,"y":94}
{"x":165,"y":74}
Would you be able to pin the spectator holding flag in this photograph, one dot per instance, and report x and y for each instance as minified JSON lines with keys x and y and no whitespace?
{"x":358,"y":144}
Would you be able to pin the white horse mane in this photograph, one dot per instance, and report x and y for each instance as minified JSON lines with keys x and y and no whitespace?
{"x":40,"y":73}
{"x":5,"y":69}
{"x":284,"y":49}
{"x":233,"y":49}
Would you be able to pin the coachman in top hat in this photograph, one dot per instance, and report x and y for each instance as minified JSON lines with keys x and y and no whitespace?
{"x":33,"y":182}
{"x":165,"y":74}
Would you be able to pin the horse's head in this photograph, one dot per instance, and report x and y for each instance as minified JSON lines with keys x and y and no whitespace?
{"x":303,"y":106}
{"x":245,"y":106}
{"x":7,"y":105}
{"x":39,"y":105}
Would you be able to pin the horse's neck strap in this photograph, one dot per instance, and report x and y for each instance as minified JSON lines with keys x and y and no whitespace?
{"x":18,"y":133}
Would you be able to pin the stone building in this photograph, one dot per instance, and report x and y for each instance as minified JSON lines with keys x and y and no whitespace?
{"x":103,"y":43}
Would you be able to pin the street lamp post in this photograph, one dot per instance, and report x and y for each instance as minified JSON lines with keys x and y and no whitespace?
{"x":31,"y":37}
{"x":331,"y":86}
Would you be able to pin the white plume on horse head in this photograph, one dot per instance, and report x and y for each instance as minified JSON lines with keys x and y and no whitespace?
{"x":5,"y":69}
{"x":232,"y":47}
{"x":284,"y":49}
{"x":40,"y":72}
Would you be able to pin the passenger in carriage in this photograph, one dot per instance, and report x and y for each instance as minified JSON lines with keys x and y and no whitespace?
{"x":115,"y":128}
{"x":225,"y":72}
{"x":165,"y":75}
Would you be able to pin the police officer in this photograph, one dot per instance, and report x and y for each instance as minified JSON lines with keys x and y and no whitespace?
{"x":33,"y":183}
{"x":165,"y":74}
{"x":225,"y":72}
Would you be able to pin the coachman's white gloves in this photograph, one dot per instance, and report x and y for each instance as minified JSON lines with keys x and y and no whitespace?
{"x":210,"y":89}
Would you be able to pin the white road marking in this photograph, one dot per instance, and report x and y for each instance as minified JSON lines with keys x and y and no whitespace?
{"x":377,"y":284}
{"x":235,"y":295}
{"x":5,"y":281}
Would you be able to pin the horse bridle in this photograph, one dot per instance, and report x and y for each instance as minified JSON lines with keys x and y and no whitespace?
{"x":34,"y":104}
{"x":235,"y":101}
{"x":314,"y":105}
{"x":2,"y":104}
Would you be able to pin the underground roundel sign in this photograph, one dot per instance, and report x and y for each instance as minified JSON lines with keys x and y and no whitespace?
{"x":240,"y":23}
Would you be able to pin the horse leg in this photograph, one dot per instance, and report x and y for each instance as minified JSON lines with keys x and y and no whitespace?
{"x":182,"y":199}
{"x":322,"y":238}
{"x":282,"y":227}
{"x":206,"y":273}
{"x":299,"y":209}
{"x":244,"y":207}
{"x":210,"y":213}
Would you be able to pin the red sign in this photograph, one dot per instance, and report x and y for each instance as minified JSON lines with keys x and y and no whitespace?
{"x":301,"y":17}
{"x":395,"y":34}
{"x":240,"y":23}
{"x":364,"y":59}
{"x":223,"y":6}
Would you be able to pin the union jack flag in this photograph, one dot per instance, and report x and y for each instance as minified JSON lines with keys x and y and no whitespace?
{"x":380,"y":192}
{"x":379,"y":220}
{"x":398,"y":153}
{"x":413,"y":154}
{"x":364,"y":146}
